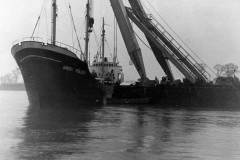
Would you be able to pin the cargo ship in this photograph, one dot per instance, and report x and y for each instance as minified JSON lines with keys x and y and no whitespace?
{"x":54,"y":74}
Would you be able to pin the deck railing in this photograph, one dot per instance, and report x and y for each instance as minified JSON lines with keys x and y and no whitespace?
{"x":77,"y":52}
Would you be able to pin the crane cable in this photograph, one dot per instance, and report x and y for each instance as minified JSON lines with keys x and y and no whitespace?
{"x":111,"y":55}
{"x":145,"y":43}
{"x":164,"y":21}
{"x":97,"y":42}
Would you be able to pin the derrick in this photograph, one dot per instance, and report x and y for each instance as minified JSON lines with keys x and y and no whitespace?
{"x":165,"y":48}
{"x":162,"y":60}
{"x":129,"y":37}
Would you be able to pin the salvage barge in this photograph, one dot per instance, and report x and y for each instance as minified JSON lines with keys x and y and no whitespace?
{"x":197,"y":87}
{"x":203,"y":95}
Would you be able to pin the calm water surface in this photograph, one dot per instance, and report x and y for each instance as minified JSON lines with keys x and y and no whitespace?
{"x":116,"y":132}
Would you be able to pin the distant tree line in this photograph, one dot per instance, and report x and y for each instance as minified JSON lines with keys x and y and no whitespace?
{"x":12,"y":77}
{"x":227,"y":70}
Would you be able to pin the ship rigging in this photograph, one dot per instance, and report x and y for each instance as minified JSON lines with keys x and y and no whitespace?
{"x":164,"y":46}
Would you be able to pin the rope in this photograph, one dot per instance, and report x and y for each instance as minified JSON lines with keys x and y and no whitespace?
{"x":35,"y":27}
{"x":164,"y":21}
{"x":111,"y":55}
{"x":143,"y":41}
{"x":38,"y":19}
{"x":98,"y":44}
{"x":96,"y":38}
{"x":75,"y":30}
{"x":46,"y":22}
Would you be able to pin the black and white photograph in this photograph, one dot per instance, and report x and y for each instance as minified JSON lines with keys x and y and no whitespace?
{"x":120,"y":80}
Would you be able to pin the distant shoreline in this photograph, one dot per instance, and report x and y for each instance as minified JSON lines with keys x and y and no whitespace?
{"x":12,"y":87}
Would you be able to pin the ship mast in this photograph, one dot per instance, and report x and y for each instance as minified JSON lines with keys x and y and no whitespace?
{"x":89,"y":26}
{"x":87,"y":31}
{"x":54,"y":17}
{"x":103,"y":40}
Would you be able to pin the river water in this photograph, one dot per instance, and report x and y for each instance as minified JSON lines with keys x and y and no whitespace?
{"x":116,"y":132}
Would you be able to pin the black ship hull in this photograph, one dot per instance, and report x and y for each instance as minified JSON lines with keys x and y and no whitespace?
{"x":54,"y":76}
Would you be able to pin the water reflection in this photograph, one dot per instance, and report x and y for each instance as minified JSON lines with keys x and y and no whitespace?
{"x":129,"y":132}
{"x":52,"y":133}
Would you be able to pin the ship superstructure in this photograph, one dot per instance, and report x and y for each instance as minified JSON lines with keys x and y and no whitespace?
{"x":106,"y":69}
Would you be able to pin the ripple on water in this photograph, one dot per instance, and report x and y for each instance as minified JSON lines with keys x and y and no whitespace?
{"x":116,"y":132}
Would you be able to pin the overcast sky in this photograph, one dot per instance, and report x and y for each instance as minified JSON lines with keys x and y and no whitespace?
{"x":210,"y":27}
